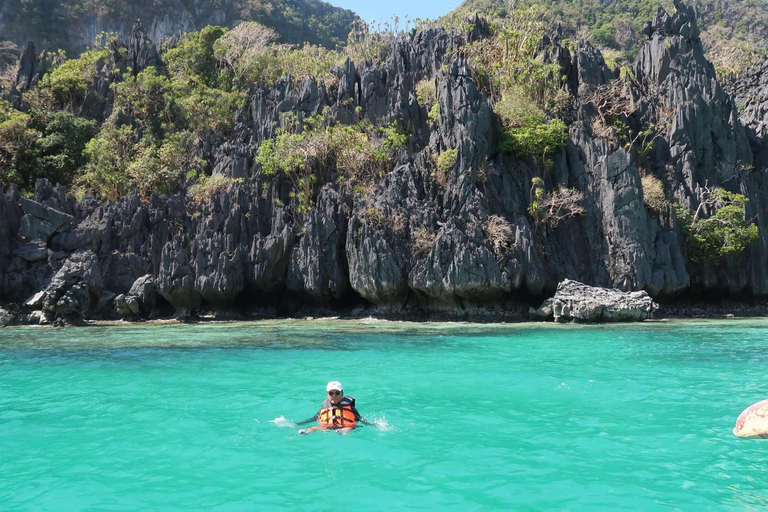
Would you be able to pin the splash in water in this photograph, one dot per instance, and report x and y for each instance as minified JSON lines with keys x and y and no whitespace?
{"x":282,"y":422}
{"x":380,"y":423}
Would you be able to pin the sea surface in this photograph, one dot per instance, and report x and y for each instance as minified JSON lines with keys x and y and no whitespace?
{"x":466,"y":417}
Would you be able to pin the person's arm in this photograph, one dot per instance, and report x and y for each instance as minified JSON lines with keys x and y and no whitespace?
{"x":310,"y":420}
{"x":359,"y":418}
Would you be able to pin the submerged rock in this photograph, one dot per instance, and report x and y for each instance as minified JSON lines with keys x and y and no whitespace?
{"x":579,"y":302}
{"x":753,"y":422}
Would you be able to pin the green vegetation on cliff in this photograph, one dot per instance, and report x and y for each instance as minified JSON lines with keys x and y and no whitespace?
{"x":526,"y":92}
{"x":734,"y":32}
{"x":313,"y":151}
{"x":148,"y":143}
{"x":724,"y":232}
{"x":54,"y":24}
{"x":154,"y":121}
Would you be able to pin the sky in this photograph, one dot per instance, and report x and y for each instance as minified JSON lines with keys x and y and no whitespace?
{"x":381,"y":10}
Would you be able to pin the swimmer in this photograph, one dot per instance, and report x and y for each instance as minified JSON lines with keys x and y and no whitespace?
{"x":337,"y":412}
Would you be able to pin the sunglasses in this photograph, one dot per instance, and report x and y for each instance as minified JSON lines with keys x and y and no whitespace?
{"x":334,"y":393}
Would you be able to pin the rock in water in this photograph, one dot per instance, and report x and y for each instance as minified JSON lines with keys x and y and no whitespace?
{"x":6,"y":318}
{"x":753,"y":422}
{"x":583,"y":303}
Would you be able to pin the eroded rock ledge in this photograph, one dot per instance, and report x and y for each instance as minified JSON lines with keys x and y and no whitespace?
{"x":579,"y":302}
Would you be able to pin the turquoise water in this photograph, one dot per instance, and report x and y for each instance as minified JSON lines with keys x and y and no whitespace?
{"x":524,"y":417}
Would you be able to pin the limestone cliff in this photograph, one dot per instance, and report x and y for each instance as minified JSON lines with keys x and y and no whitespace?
{"x":246,"y":248}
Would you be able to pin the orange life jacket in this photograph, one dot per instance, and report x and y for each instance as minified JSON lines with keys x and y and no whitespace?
{"x":340,"y":416}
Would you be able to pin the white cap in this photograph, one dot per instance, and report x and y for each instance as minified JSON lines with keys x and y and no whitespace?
{"x":334,"y":385}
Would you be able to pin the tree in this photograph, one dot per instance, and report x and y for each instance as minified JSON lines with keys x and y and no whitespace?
{"x":18,"y":151}
{"x":241,"y":47}
{"x":725,"y":232}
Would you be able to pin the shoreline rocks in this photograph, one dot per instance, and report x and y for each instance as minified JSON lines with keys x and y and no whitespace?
{"x":579,"y":302}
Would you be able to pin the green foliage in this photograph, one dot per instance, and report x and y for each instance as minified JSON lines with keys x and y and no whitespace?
{"x":241,"y":47}
{"x":194,"y":56}
{"x":724,"y":233}
{"x":158,"y":167}
{"x":159,"y":115}
{"x":434,"y":113}
{"x":61,"y":146}
{"x":50,"y":147}
{"x":538,"y":140}
{"x":144,"y":98}
{"x":118,"y":162}
{"x":18,"y":153}
{"x":536,"y":199}
{"x":604,"y":35}
{"x":509,"y":59}
{"x":195,"y":95}
{"x":67,"y":87}
{"x":369,"y":43}
{"x":425,"y":93}
{"x":394,"y":139}
{"x":516,"y":110}
{"x":527,"y":93}
{"x":446,"y":161}
{"x":299,"y":61}
{"x":203,"y":109}
{"x":359,"y":153}
{"x":247,"y":52}
{"x":302,"y":21}
{"x":626,"y":74}
{"x":109,"y":155}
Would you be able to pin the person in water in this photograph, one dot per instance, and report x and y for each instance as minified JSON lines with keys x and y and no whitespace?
{"x":337,"y":412}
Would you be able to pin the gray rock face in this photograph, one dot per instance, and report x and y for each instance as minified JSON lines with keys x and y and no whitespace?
{"x":270,"y":256}
{"x":32,"y":252}
{"x":74,"y":303}
{"x":145,"y":291}
{"x":317,"y":266}
{"x":75,"y":286}
{"x":750,"y":92}
{"x":141,"y":52}
{"x":176,"y":282}
{"x":140,"y":299}
{"x":578,"y":302}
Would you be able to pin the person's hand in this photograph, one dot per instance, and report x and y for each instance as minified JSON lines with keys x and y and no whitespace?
{"x":302,"y":431}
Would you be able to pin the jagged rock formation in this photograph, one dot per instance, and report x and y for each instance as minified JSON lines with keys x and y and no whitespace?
{"x":578,"y":302}
{"x":412,"y":242}
{"x":750,"y":92}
